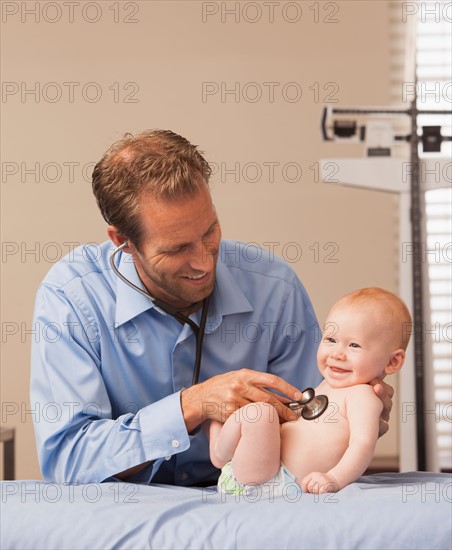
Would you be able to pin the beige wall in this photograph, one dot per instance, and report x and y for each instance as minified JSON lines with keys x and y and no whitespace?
{"x":150,"y":73}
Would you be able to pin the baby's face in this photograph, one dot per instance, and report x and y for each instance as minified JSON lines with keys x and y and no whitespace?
{"x":356,"y":346}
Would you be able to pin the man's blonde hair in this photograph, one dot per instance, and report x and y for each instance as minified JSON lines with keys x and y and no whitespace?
{"x":155,"y":163}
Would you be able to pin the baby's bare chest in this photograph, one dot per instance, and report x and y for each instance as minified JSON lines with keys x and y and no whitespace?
{"x":329,"y":429}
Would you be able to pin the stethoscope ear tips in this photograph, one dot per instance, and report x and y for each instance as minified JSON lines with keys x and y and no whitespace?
{"x":125,"y":244}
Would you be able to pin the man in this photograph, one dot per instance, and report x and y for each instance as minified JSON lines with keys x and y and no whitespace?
{"x":113,"y":379}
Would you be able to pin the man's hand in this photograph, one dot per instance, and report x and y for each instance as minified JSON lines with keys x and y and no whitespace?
{"x":221,"y":395}
{"x":385,"y":392}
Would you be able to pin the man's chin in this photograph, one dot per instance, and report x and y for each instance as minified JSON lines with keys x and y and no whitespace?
{"x":201,"y":295}
{"x":195,"y":297}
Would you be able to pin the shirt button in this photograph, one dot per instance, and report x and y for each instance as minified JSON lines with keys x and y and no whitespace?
{"x":184,"y":476}
{"x":175,"y":443}
{"x":168,"y":457}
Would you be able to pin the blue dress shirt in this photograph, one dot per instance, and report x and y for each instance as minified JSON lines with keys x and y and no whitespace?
{"x":109,"y":366}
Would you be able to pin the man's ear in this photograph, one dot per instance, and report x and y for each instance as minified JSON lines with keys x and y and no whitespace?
{"x":395,"y":361}
{"x":118,"y":239}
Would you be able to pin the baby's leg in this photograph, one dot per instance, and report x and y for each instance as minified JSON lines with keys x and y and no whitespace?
{"x":251,"y":438}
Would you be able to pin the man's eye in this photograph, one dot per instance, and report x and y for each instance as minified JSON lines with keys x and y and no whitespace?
{"x":176,"y":251}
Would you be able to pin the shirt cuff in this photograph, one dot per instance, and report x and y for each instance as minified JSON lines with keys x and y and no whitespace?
{"x":163,"y":430}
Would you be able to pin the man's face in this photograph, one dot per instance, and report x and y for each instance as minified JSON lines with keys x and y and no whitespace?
{"x":180,"y":247}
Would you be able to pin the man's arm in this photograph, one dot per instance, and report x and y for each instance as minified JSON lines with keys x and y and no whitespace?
{"x":218,"y":397}
{"x":78,"y":439}
{"x":363,"y":410}
{"x":234,"y":390}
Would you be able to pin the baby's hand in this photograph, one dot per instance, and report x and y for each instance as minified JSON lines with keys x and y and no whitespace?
{"x":319,"y":483}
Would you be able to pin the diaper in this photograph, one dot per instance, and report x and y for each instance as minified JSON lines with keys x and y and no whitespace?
{"x":282,"y":484}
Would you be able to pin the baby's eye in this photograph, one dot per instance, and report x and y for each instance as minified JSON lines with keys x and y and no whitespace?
{"x":329,"y":340}
{"x":354,"y":345}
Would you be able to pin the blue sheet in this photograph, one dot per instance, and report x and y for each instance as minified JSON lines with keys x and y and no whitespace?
{"x":391,"y":511}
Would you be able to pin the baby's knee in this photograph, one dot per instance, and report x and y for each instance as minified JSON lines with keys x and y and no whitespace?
{"x":259,"y":413}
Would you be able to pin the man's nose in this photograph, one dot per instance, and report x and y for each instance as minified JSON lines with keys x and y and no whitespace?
{"x":202,"y":258}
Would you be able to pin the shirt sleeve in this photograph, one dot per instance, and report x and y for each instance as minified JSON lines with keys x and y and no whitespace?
{"x":77,"y":438}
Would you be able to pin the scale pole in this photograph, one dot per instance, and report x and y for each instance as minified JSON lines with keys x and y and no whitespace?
{"x":417,"y":277}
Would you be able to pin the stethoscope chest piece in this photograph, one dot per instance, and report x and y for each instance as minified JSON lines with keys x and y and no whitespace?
{"x":315,"y":408}
{"x":311,"y":406}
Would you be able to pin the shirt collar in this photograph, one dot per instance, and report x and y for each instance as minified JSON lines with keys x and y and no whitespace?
{"x":129,"y":302}
{"x":227,"y":299}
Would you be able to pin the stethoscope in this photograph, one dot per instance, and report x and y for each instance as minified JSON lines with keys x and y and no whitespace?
{"x":311,"y":406}
{"x":199,"y":330}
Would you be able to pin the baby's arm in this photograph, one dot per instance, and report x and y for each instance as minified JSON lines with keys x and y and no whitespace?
{"x":251,"y":439}
{"x":363,"y":411}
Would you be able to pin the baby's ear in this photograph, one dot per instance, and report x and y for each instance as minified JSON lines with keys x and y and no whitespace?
{"x":395,"y":361}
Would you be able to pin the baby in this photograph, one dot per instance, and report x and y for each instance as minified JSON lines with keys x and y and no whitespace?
{"x":365,"y":337}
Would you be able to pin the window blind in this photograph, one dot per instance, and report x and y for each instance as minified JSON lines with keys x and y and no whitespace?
{"x":434,"y":87}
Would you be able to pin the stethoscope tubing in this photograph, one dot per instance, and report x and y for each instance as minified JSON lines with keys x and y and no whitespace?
{"x":199,"y":330}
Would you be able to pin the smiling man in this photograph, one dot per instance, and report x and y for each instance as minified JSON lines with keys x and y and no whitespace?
{"x":119,"y":370}
{"x":176,"y":261}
